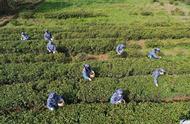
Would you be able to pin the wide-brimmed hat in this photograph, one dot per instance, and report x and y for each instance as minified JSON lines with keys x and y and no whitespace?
{"x":119,"y":91}
{"x":86,"y":65}
{"x":61,"y":103}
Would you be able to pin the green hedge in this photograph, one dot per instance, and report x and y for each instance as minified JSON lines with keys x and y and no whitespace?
{"x":136,"y":88}
{"x":101,"y":31}
{"x":35,"y":93}
{"x":73,"y":46}
{"x":71,"y":14}
{"x":103,"y":113}
{"x":32,"y":58}
{"x":117,"y":68}
{"x":168,"y":43}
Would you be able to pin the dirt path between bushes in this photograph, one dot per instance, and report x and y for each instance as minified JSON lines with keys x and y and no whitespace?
{"x":176,"y":99}
{"x":100,"y":57}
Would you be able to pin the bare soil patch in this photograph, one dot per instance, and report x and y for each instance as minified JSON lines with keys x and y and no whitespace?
{"x":177,"y":99}
{"x":100,"y":57}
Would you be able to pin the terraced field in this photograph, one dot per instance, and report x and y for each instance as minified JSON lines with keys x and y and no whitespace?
{"x":87,"y":31}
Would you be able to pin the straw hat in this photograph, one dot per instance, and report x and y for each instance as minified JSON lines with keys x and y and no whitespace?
{"x":92,"y":74}
{"x":61,"y":103}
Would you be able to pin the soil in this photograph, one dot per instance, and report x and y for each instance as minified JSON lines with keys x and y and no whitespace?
{"x":177,"y":99}
{"x":100,"y":57}
{"x":141,"y":43}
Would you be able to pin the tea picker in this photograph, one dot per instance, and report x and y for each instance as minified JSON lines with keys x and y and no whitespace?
{"x":117,"y":97}
{"x":54,"y":101}
{"x":153,"y":54}
{"x":120,"y":49}
{"x":48,"y":36}
{"x":51,"y":47}
{"x":88,"y":73}
{"x":24,"y":36}
{"x":156,"y":73}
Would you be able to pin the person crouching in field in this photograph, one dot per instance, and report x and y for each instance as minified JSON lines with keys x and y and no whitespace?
{"x":152,"y":54}
{"x":24,"y":36}
{"x":117,"y":97}
{"x":87,"y":72}
{"x":54,"y":101}
{"x":51,"y":47}
{"x":120,"y":49}
{"x":156,"y":73}
{"x":48,"y":36}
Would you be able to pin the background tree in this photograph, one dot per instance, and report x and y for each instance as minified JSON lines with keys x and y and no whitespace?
{"x":7,"y":6}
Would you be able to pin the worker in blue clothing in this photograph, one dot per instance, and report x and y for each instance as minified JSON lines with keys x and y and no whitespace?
{"x":87,"y":72}
{"x":51,"y":47}
{"x":156,"y":73}
{"x":117,"y":97}
{"x":24,"y":36}
{"x":153,"y":54}
{"x":48,"y":36}
{"x":120,"y":49}
{"x":54,"y":101}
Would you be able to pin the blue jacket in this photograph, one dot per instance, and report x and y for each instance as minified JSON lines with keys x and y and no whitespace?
{"x":53,"y":99}
{"x":120,"y":49}
{"x":152,"y":53}
{"x":47,"y":36}
{"x":117,"y":97}
{"x":51,"y":47}
{"x":24,"y":36}
{"x":86,"y":72}
{"x":156,"y":73}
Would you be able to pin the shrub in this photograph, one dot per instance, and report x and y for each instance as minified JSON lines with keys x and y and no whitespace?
{"x":146,"y":13}
{"x":15,"y":23}
{"x":117,"y":68}
{"x":72,"y":14}
{"x":155,"y":1}
{"x":171,"y":1}
{"x":162,"y":3}
{"x":98,"y":113}
{"x":27,"y":15}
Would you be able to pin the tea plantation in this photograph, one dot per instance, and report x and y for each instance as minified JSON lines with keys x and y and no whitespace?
{"x":88,"y":31}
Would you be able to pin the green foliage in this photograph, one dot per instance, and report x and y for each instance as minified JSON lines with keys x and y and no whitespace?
{"x":114,"y":69}
{"x":27,"y":15}
{"x":146,"y":13}
{"x":28,"y":73}
{"x":72,"y":14}
{"x":155,"y":1}
{"x":98,"y":113}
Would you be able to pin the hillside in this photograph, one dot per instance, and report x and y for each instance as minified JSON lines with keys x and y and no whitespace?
{"x":88,"y":31}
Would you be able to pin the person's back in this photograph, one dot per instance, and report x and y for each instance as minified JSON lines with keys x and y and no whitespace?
{"x":53,"y":100}
{"x":156,"y":73}
{"x":24,"y":36}
{"x":47,"y":36}
{"x":87,"y":72}
{"x":152,"y":54}
{"x":120,"y":49}
{"x":117,"y":97}
{"x":51,"y":47}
